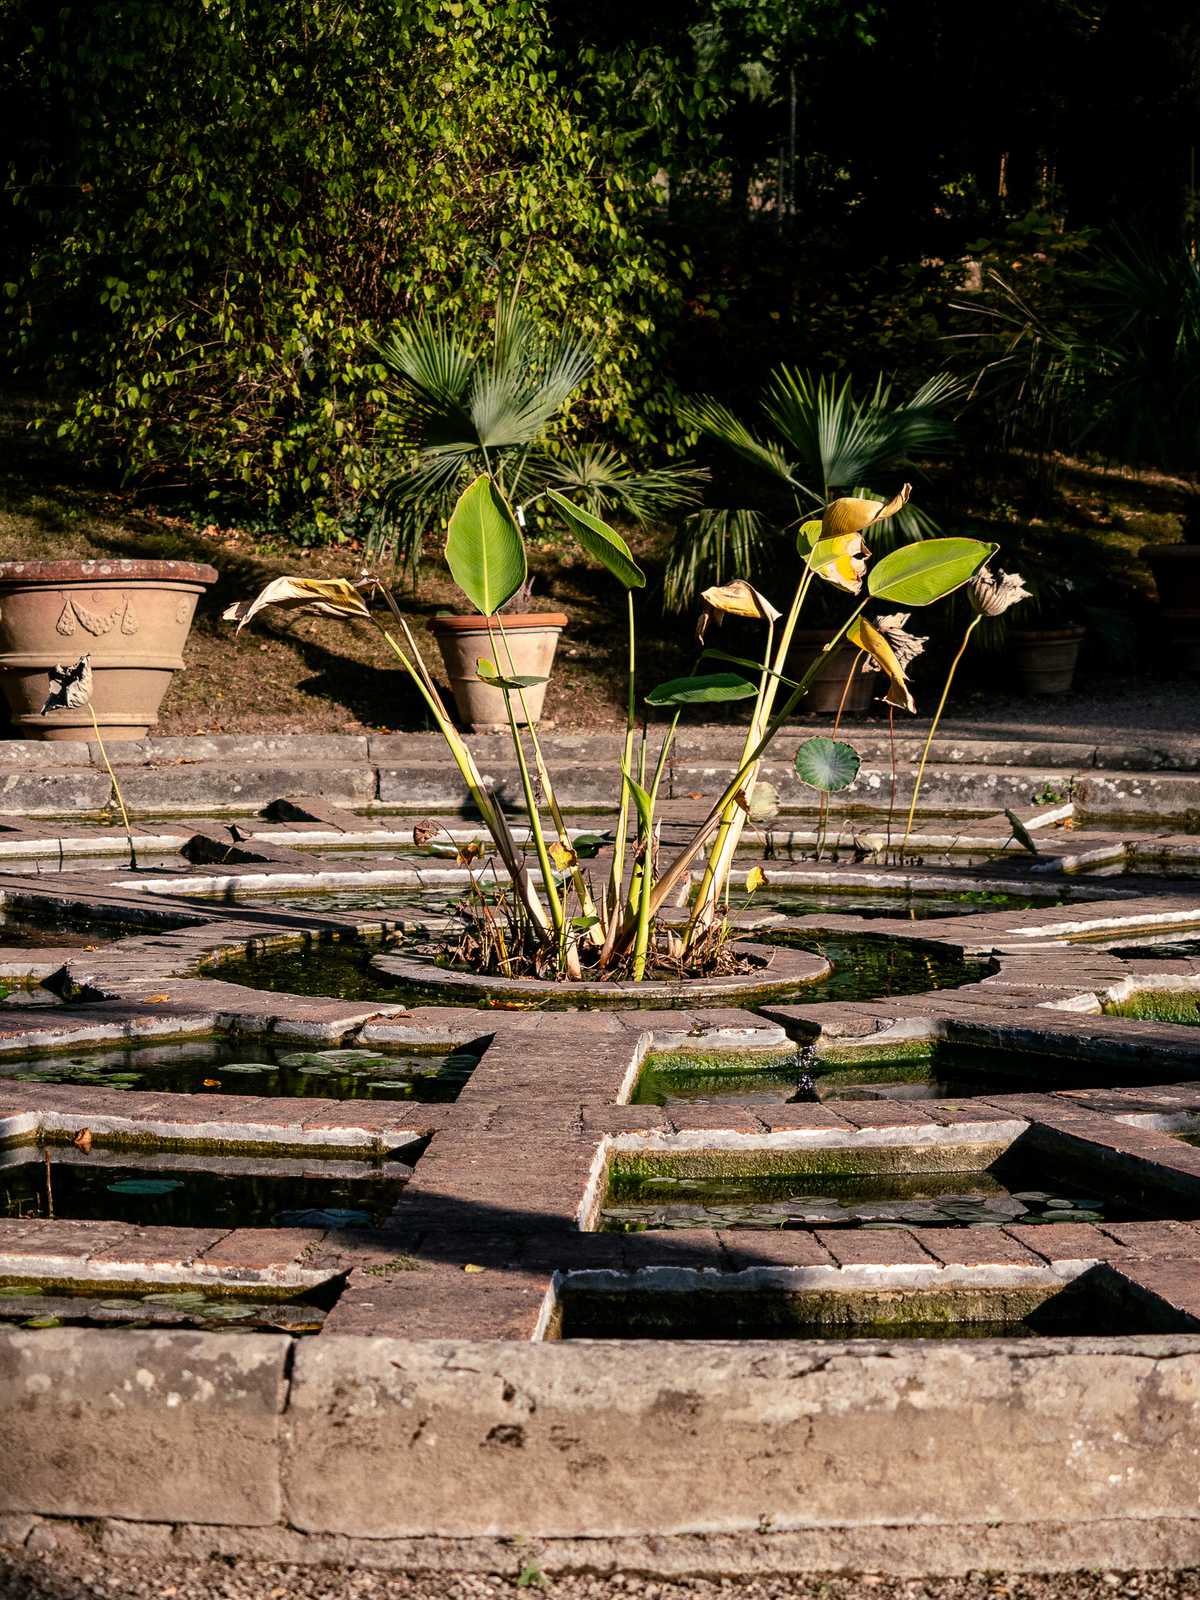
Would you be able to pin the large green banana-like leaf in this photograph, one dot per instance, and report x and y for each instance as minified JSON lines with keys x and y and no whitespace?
{"x":484,"y":548}
{"x":706,"y":689}
{"x":918,"y":574}
{"x":600,"y":541}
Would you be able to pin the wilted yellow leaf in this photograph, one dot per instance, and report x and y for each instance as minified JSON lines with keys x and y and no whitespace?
{"x":563,"y":857}
{"x":740,"y":599}
{"x":755,"y":879}
{"x":331,"y":597}
{"x":841,"y":560}
{"x":868,"y":638}
{"x":472,"y":1267}
{"x":850,"y":514}
{"x":83,"y":1140}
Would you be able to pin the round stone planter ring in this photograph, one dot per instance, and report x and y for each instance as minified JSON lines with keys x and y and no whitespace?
{"x":130,"y":617}
{"x":769,"y":972}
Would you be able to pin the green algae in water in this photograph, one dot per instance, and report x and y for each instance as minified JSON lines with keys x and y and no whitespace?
{"x":939,"y":1070}
{"x":914,"y":905}
{"x":212,"y":1192}
{"x":225,"y":1067}
{"x":634,"y":1203}
{"x":1160,"y":1005}
{"x":864,"y":968}
{"x":93,"y":1306}
{"x":1080,"y":1310}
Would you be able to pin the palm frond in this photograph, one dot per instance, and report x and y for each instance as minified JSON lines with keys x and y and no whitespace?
{"x":840,"y":440}
{"x":718,"y":422}
{"x":713,"y":546}
{"x":514,"y":396}
{"x":597,"y":477}
{"x":429,"y":375}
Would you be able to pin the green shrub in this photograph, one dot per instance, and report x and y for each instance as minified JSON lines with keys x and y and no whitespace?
{"x":220,"y":204}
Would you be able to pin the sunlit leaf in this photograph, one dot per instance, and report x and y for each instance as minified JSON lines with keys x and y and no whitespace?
{"x":808,"y":534}
{"x":330,"y":597}
{"x":484,"y":548}
{"x":841,"y":561}
{"x":918,"y":574}
{"x":641,"y":799}
{"x":600,"y":541}
{"x":740,"y":599}
{"x":867,"y":637}
{"x":851,"y":514}
{"x":764,"y":802}
{"x":827,"y":764}
{"x":563,"y":857}
{"x":755,"y":879}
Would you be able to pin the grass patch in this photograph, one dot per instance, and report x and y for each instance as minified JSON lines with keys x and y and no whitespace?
{"x":1160,"y":1005}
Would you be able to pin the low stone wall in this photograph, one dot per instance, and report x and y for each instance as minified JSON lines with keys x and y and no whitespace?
{"x":705,"y":1457}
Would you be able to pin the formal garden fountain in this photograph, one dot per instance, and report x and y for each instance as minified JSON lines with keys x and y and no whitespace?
{"x":733,"y":1125}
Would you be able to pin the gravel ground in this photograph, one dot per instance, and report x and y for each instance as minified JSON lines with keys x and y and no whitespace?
{"x":55,"y":1577}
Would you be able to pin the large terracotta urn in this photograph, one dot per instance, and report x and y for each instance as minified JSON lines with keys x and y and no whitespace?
{"x":130,"y":617}
{"x":526,"y":650}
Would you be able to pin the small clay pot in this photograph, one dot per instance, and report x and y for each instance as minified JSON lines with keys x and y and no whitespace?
{"x":1045,"y":658}
{"x":132,"y":618}
{"x":529,"y":638}
{"x":826,"y":690}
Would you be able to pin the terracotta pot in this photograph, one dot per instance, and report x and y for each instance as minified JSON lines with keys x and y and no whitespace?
{"x":825,"y":691}
{"x":1176,"y":569}
{"x":1045,"y":658}
{"x":131,"y":617}
{"x":532,"y":639}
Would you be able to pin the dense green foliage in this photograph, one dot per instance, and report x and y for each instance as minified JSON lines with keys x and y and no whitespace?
{"x":225,"y":200}
{"x":218,"y":206}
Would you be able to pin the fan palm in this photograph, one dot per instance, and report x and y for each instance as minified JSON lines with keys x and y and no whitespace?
{"x":824,"y":441}
{"x":457,"y":408}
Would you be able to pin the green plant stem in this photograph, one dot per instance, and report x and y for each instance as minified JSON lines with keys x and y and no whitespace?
{"x":670,"y":879}
{"x":616,"y":876}
{"x":116,"y":790}
{"x":646,"y":830}
{"x":586,"y":903}
{"x":535,"y":826}
{"x":933,"y":728}
{"x":733,"y":818}
{"x":490,"y":811}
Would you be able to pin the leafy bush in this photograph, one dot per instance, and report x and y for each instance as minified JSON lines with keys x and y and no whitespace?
{"x":220,"y":204}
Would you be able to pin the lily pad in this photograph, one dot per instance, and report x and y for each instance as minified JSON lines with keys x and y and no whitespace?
{"x":334,"y":1217}
{"x":146,"y":1186}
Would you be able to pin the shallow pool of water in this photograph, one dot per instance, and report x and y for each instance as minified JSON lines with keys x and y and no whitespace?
{"x":33,"y":1305}
{"x":212,"y":1067}
{"x":864,"y":968}
{"x":1082,"y":1309}
{"x":937,"y":1071}
{"x":914,"y":907}
{"x":871,"y":1200}
{"x":189,"y":1191}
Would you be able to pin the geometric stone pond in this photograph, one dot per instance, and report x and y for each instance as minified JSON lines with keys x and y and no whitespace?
{"x":898,"y":1254}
